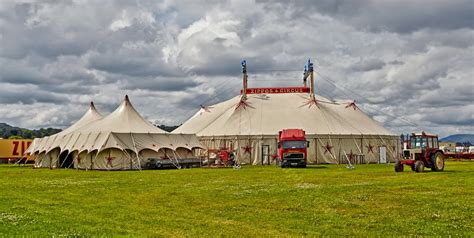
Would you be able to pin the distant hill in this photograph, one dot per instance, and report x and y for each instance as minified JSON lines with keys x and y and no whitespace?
{"x":460,"y":138}
{"x":7,"y":131}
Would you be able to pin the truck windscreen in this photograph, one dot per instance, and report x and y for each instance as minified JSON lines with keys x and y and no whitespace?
{"x":296,"y":144}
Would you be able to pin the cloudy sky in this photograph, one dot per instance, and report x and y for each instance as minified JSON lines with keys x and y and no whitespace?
{"x":408,"y":63}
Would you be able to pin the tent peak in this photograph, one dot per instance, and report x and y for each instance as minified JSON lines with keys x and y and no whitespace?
{"x":126,"y":101}
{"x":92,"y":106}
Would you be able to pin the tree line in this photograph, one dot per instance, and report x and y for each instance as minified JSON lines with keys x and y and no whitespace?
{"x":12,"y":132}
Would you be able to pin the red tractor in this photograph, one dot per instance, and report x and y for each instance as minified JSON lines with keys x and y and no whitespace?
{"x":422,"y":150}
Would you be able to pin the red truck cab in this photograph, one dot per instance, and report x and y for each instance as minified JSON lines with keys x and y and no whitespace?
{"x":292,"y":148}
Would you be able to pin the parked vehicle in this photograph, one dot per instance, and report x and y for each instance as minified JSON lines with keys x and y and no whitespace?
{"x":422,"y":151}
{"x":292,"y":148}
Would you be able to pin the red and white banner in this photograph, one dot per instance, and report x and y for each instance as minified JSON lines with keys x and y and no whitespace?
{"x":277,"y":90}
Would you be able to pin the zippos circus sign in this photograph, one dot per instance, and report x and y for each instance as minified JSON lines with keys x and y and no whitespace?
{"x":277,"y":90}
{"x":13,"y":149}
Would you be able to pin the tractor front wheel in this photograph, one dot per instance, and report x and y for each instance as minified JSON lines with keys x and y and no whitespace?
{"x":398,"y":166}
{"x":419,"y":166}
{"x":437,"y":162}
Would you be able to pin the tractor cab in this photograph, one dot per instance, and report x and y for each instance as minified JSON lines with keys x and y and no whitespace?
{"x":422,"y":150}
{"x":420,"y":143}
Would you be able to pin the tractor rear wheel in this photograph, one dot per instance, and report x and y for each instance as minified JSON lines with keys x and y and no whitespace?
{"x":398,"y":166}
{"x":437,"y":162}
{"x":419,"y":166}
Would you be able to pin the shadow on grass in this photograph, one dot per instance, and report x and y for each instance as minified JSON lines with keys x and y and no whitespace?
{"x":444,"y":171}
{"x":16,"y":166}
{"x":432,"y":172}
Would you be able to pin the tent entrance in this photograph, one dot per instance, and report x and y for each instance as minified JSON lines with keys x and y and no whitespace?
{"x":66,"y":160}
{"x":383,"y":155}
{"x":265,"y":154}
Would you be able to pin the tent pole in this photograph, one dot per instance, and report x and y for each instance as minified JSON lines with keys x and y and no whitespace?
{"x":92,"y":162}
{"x":360,"y":151}
{"x":348,"y":161}
{"x":61,"y":165}
{"x":340,"y":148}
{"x":316,"y":149}
{"x":57,"y":158}
{"x":244,"y":79}
{"x":136,"y":151}
{"x":71,"y":164}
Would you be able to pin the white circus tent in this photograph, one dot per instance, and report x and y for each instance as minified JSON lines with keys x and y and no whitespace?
{"x":338,"y":131}
{"x":121,"y":140}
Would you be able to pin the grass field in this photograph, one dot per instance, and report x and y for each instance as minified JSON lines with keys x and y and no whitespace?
{"x":253,"y":201}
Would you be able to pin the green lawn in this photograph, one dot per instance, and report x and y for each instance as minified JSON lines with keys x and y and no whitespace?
{"x":370,"y":200}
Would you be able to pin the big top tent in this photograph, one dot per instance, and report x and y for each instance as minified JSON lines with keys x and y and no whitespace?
{"x":338,"y":131}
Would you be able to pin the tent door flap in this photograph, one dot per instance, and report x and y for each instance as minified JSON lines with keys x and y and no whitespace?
{"x":383,"y":155}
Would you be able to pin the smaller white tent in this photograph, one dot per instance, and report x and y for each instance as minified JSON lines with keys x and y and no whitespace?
{"x":39,"y":144}
{"x":121,"y":140}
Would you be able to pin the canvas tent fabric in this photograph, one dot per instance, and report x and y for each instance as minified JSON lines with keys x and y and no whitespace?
{"x":40,"y":144}
{"x":338,"y":132}
{"x":121,"y":140}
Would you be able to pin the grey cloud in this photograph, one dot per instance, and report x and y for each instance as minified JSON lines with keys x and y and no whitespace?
{"x":65,"y":75}
{"x":229,"y":65}
{"x":396,"y":62}
{"x":404,"y":16}
{"x":71,"y":89}
{"x":25,"y":96}
{"x":160,"y":84}
{"x":133,"y":62}
{"x":18,"y":72}
{"x":368,"y":65}
{"x":450,"y":115}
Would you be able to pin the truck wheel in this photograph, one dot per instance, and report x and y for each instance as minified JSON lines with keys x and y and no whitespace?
{"x":437,"y":162}
{"x":412,"y":167}
{"x":419,"y":166}
{"x":398,"y":166}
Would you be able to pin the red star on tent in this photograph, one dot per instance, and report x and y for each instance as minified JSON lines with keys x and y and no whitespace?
{"x":352,"y":104}
{"x":109,"y":161}
{"x":79,"y":159}
{"x":327,"y":148}
{"x":247,"y":149}
{"x":243,"y":104}
{"x":370,"y":148}
{"x":310,"y":102}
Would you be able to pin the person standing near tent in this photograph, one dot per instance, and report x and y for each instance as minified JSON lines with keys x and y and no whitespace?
{"x":234,"y":161}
